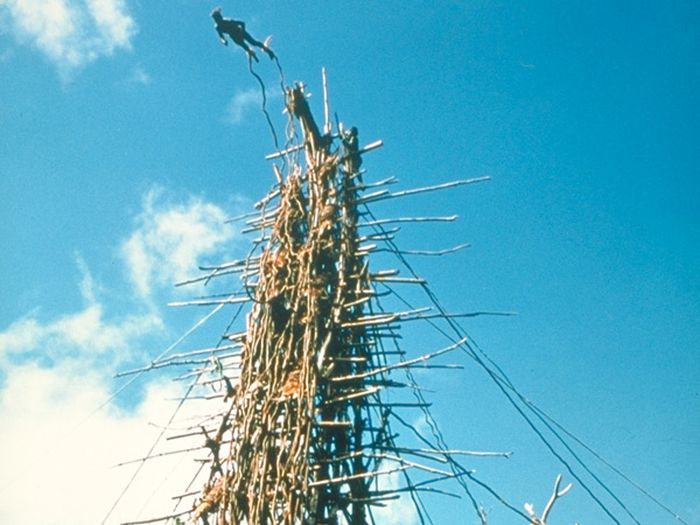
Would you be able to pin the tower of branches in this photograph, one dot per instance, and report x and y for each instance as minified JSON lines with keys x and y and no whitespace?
{"x":305,"y":433}
{"x":305,"y":425}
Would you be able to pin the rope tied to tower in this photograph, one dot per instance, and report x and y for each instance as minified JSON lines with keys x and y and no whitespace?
{"x":237,"y":32}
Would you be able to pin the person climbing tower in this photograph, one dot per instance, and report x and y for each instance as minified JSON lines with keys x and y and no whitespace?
{"x":235,"y":29}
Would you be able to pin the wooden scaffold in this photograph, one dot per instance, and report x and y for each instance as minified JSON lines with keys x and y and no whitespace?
{"x":306,"y":435}
{"x":307,"y":431}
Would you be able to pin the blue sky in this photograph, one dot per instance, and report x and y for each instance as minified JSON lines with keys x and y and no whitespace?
{"x":129,"y":134}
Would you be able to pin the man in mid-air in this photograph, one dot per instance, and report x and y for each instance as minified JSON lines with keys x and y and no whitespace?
{"x":235,"y":29}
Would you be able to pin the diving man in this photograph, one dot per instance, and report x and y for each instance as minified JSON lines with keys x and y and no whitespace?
{"x":235,"y":29}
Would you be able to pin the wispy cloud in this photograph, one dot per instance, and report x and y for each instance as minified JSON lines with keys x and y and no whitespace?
{"x":85,"y":335}
{"x":246,"y":100}
{"x":139,"y":76}
{"x":71,"y":33}
{"x":168,"y":239}
{"x":242,"y":102}
{"x":400,"y":511}
{"x":171,"y":238}
{"x":60,"y":437}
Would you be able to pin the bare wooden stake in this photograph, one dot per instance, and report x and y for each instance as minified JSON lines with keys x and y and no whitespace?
{"x":379,"y":222}
{"x":326,"y":111}
{"x":426,"y":189}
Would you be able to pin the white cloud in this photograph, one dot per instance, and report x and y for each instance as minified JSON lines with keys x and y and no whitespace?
{"x":246,"y":100}
{"x":58,"y":465}
{"x":112,"y":22}
{"x":84,"y":334}
{"x":241,"y":102}
{"x":139,"y":76}
{"x":168,"y":239}
{"x":87,"y":283}
{"x":60,"y":439}
{"x":22,"y":334}
{"x":171,"y":238}
{"x":399,"y":511}
{"x":71,"y":33}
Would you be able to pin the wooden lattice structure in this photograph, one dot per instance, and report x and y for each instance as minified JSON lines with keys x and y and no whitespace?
{"x":307,"y":430}
{"x":299,"y":417}
{"x":306,"y":433}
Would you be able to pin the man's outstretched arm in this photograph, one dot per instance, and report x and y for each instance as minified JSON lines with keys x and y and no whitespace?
{"x":222,"y":38}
